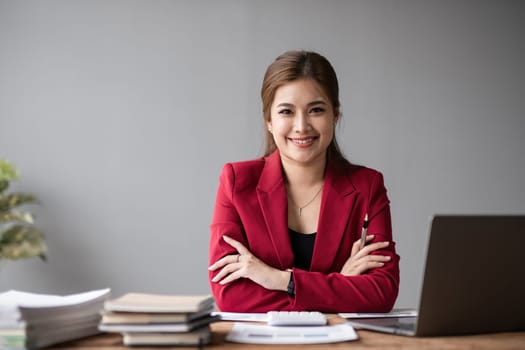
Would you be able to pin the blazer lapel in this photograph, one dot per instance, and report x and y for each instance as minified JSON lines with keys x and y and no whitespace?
{"x":336,"y":205}
{"x":271,"y":193}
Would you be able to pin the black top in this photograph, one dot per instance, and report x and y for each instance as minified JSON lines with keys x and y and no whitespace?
{"x":303,"y":248}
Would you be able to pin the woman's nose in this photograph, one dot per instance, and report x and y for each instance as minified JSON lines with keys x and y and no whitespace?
{"x":301,"y":123}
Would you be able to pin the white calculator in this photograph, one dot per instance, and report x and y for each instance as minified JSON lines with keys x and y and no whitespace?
{"x":296,"y":318}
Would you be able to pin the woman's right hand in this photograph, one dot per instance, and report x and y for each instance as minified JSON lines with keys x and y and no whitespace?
{"x":361,"y":260}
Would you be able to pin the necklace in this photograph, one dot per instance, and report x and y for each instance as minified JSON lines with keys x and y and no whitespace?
{"x":308,"y":203}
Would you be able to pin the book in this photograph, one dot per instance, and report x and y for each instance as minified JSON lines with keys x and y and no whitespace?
{"x":158,"y":327}
{"x":116,"y":317}
{"x":200,"y":336}
{"x":139,"y":302}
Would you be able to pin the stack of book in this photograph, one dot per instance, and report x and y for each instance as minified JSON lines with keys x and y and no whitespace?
{"x":30,"y":321}
{"x":152,"y":319}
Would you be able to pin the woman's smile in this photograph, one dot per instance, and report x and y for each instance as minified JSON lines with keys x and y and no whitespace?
{"x":303,"y":142}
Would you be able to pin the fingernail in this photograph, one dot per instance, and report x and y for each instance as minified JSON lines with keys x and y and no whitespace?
{"x":388,"y":258}
{"x":386,"y":243}
{"x":225,"y":237}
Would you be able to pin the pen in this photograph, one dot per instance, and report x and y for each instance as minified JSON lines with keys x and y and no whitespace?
{"x":363,"y":232}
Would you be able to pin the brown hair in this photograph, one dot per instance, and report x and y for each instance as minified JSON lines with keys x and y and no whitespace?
{"x":294,"y":65}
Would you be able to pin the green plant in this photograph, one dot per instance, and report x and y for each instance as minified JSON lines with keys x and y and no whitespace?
{"x":19,"y":238}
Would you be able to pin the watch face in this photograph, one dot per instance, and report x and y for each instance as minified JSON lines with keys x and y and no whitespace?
{"x":291,"y":286}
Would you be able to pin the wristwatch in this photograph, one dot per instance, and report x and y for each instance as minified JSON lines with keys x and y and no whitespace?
{"x":291,"y":286}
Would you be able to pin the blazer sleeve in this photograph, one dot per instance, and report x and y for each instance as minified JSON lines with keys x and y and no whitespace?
{"x":242,"y":295}
{"x":374,"y":291}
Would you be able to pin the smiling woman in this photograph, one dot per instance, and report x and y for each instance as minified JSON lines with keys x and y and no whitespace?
{"x":302,"y":122}
{"x":286,"y":229}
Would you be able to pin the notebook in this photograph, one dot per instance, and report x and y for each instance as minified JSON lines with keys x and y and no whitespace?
{"x":474,"y":279}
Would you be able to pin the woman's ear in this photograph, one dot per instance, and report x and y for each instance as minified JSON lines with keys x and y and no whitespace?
{"x":337,"y":115}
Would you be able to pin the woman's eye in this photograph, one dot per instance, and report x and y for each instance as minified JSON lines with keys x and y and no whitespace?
{"x":317,"y":110}
{"x":285,"y":111}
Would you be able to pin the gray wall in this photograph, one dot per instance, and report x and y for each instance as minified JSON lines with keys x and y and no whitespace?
{"x":120,"y":114}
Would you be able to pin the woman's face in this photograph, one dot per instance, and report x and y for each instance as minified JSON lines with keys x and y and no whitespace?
{"x":302,"y":122}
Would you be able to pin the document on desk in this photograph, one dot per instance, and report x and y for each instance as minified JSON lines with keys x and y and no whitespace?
{"x":262,"y":334}
{"x":241,"y":316}
{"x":393,"y":313}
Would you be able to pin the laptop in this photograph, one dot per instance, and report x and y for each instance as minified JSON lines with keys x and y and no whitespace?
{"x":474,"y":279}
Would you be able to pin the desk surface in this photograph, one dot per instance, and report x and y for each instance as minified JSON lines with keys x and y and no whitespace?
{"x":367,"y":340}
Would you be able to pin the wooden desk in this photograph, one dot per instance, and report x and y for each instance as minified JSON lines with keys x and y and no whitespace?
{"x":367,"y":340}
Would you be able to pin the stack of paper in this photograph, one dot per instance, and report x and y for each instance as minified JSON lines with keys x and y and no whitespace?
{"x":151,"y":319}
{"x":29,"y":320}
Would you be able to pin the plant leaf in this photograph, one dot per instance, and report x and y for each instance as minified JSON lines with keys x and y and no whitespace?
{"x":21,"y":241}
{"x":8,"y":171}
{"x":16,"y":216}
{"x":13,"y":200}
{"x":4,"y":184}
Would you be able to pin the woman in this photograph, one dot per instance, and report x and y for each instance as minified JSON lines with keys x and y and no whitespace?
{"x":286,"y":228}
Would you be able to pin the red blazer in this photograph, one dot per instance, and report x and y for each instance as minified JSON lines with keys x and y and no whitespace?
{"x":251,"y":207}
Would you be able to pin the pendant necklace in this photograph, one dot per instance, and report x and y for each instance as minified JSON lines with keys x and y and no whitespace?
{"x":308,"y":203}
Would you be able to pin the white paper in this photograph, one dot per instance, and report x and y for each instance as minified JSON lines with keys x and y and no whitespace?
{"x":261,"y":334}
{"x":24,"y":299}
{"x":243,"y":317}
{"x":42,"y":307}
{"x":394,"y":313}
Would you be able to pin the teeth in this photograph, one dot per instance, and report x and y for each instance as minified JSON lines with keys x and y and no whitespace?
{"x":303,"y":141}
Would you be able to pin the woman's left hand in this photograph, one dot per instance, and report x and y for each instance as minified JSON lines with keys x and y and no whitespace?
{"x":361,"y":260}
{"x":246,"y":265}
